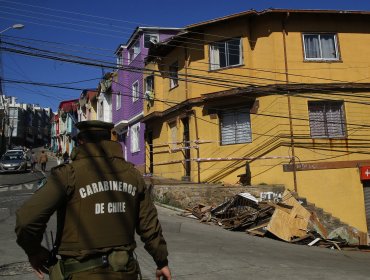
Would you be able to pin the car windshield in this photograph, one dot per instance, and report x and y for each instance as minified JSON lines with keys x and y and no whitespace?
{"x":12,"y":157}
{"x":14,"y":153}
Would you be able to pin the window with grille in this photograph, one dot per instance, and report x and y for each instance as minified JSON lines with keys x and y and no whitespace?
{"x":235,"y":126}
{"x":225,"y":54}
{"x":320,"y":47}
{"x":327,"y":119}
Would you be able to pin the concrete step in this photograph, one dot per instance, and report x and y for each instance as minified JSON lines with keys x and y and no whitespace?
{"x":327,"y":219}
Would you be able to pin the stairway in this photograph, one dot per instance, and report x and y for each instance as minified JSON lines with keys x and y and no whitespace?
{"x":333,"y":225}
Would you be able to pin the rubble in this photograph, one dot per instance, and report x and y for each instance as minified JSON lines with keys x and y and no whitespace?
{"x":284,"y":218}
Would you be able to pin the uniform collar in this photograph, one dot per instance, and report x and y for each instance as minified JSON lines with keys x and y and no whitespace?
{"x":102,"y":149}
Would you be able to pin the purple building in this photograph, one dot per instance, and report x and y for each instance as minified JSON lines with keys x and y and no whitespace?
{"x":128,"y":91}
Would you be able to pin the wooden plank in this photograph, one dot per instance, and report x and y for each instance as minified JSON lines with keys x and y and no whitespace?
{"x":259,"y":226}
{"x":289,"y":225}
{"x":256,"y":232}
{"x":320,"y":229}
{"x":285,"y":208}
{"x":325,"y":165}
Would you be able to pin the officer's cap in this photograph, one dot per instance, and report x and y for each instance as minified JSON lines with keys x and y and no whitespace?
{"x":94,"y":125}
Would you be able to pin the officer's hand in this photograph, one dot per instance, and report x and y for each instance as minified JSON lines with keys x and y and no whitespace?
{"x":38,"y":262}
{"x":165,"y":272}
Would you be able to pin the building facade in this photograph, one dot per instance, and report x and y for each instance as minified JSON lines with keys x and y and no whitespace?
{"x":24,"y":124}
{"x":280,"y":92}
{"x":67,"y":118}
{"x":128,"y":94}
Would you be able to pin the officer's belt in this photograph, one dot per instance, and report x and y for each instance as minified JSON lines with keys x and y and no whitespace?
{"x":118,"y":260}
{"x":74,"y":266}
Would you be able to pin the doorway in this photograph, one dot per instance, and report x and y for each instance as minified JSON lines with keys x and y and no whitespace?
{"x":150,"y":143}
{"x":366,"y":185}
{"x":186,"y":141}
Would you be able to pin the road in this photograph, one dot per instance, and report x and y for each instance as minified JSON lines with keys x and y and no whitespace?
{"x":197,"y":251}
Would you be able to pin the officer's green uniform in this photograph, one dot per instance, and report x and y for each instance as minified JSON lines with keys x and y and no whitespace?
{"x":100,"y":201}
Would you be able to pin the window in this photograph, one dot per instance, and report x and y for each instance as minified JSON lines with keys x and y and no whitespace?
{"x":235,"y":126}
{"x":118,"y":101}
{"x":172,"y":135}
{"x":100,"y":110}
{"x":149,"y":88}
{"x":119,"y":59}
{"x":173,"y":71}
{"x":134,"y":51}
{"x":149,"y":84}
{"x":320,"y":47}
{"x":327,"y":119}
{"x":225,"y":54}
{"x":135,"y":91}
{"x":135,"y":129}
{"x":150,"y":37}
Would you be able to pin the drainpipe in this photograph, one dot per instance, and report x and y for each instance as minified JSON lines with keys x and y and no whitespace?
{"x":289,"y":104}
{"x":186,"y":72}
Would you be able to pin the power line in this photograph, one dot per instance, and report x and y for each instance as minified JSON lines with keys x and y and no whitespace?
{"x":136,"y":69}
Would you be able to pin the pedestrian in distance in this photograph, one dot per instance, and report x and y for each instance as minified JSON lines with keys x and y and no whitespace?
{"x":33,"y":161}
{"x":100,"y":200}
{"x":65,"y":157}
{"x":43,"y":159}
{"x":59,"y":158}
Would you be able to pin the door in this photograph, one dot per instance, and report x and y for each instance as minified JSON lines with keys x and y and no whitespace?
{"x":366,"y":185}
{"x":186,"y":141}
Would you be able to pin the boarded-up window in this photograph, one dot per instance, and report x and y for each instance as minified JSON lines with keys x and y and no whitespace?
{"x":327,"y":119}
{"x":235,"y":127}
{"x":172,"y":139}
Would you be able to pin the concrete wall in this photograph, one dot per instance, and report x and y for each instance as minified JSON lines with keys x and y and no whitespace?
{"x":189,"y":195}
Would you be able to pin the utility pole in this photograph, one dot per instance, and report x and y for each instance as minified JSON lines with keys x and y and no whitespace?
{"x":292,"y":144}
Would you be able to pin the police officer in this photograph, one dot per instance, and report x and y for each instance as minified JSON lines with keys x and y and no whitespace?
{"x":100,"y":200}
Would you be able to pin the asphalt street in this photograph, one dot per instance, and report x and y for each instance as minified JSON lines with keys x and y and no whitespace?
{"x":197,"y":251}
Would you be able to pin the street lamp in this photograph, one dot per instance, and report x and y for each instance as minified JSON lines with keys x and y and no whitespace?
{"x":5,"y":117}
{"x":14,"y":26}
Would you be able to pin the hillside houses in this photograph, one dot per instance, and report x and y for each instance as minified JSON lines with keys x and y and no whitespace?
{"x":282,"y":93}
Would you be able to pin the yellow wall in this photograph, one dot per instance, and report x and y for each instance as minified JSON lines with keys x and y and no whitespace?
{"x":338,"y":191}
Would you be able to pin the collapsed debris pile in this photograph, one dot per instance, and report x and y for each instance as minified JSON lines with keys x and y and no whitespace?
{"x":284,"y":218}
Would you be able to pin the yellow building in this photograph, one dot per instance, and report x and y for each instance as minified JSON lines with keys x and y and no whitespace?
{"x":286,"y":91}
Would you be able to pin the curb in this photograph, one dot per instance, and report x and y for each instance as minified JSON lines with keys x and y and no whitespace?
{"x":169,"y":207}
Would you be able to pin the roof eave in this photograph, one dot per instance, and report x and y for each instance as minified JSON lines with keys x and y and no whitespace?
{"x":270,"y":11}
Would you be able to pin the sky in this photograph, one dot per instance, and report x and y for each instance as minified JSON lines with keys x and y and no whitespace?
{"x":94,"y":29}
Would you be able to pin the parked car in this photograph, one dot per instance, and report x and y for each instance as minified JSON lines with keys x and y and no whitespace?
{"x":13,"y":162}
{"x":15,"y":151}
{"x":20,"y":152}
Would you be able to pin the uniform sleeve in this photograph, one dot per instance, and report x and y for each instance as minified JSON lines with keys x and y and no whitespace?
{"x":150,"y":230}
{"x":33,"y":215}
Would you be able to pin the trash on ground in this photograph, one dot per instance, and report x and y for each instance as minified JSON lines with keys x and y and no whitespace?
{"x":285,"y":219}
